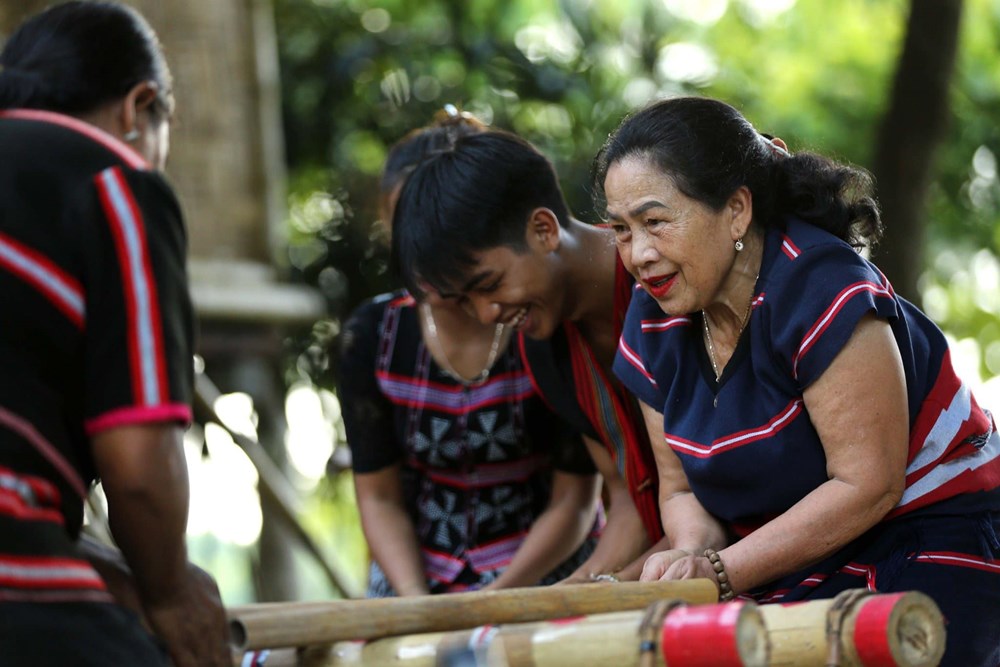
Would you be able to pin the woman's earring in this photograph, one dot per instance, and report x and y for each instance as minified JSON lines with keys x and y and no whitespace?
{"x":131,"y":135}
{"x":739,"y":244}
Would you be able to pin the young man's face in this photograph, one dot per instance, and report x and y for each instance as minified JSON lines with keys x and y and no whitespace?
{"x":519,"y":287}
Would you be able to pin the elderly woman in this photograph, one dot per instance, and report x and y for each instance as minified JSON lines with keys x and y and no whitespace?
{"x":95,"y":349}
{"x":811,"y":433}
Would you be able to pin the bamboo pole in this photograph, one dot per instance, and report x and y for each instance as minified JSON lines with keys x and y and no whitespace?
{"x":880,"y":630}
{"x":284,"y":624}
{"x":888,"y":630}
{"x":717,"y":635}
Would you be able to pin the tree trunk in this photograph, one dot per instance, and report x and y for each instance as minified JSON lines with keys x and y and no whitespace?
{"x":911,"y":130}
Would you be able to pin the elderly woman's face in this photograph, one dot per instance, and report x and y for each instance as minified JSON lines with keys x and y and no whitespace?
{"x":679,"y":249}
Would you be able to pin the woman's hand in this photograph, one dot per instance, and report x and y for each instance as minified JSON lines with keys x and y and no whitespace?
{"x":659,"y":565}
{"x":691,"y":567}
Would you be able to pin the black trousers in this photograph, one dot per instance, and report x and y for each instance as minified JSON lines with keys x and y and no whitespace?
{"x":75,"y":634}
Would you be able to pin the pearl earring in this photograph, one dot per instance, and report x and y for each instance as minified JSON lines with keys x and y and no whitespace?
{"x":739,"y":244}
{"x":131,"y":135}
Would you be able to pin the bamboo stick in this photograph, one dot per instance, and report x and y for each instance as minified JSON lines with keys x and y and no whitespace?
{"x":889,"y":630}
{"x":285,"y":624}
{"x":881,"y":630}
{"x":730,"y":635}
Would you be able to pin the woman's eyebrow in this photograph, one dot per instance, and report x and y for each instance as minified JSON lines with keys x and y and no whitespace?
{"x":638,"y":210}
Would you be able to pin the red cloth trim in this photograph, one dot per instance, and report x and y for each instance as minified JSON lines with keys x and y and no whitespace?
{"x":138,"y":414}
{"x":144,"y":323}
{"x":61,"y":289}
{"x":49,"y":452}
{"x":128,"y":155}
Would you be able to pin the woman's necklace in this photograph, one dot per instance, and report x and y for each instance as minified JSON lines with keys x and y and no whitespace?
{"x":708,"y":332}
{"x":446,"y":366}
{"x":711,"y":347}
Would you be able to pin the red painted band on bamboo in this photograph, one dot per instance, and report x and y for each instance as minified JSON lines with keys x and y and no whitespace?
{"x":702,"y":636}
{"x":871,"y":630}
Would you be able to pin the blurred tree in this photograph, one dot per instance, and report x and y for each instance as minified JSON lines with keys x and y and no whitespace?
{"x":358,"y":74}
{"x":911,"y":130}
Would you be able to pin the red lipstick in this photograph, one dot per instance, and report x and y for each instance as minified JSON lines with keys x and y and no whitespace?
{"x":658,"y":286}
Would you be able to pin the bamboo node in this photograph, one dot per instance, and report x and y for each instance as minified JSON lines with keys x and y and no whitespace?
{"x":650,"y":628}
{"x":843,"y":603}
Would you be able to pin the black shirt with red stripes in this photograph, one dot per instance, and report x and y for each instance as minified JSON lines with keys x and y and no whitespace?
{"x":96,"y":331}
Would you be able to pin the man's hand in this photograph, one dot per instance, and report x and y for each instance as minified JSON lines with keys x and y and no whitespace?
{"x":192,"y":623}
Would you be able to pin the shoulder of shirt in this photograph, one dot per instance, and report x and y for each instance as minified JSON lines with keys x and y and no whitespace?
{"x":807,"y":236}
{"x":376,"y":305}
{"x":802,"y":244}
{"x":72,"y":135}
{"x":806,"y":253}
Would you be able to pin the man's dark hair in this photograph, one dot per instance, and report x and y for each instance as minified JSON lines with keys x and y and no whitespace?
{"x":473,"y":197}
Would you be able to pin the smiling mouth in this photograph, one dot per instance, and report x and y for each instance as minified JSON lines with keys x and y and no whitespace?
{"x":658,"y":286}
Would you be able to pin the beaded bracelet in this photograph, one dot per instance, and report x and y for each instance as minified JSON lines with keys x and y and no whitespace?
{"x":726,"y":592}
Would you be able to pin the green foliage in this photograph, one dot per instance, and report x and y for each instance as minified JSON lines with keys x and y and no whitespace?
{"x":332,"y":515}
{"x":359,"y":74}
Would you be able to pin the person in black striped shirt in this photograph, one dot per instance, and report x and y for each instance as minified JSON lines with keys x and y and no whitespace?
{"x":96,"y":336}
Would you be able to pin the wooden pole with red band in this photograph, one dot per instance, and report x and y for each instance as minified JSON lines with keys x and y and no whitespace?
{"x":711,"y":635}
{"x":730,"y":635}
{"x":877,"y":630}
{"x":289,"y":624}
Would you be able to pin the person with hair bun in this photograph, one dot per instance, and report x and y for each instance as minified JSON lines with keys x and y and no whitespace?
{"x":464,"y":478}
{"x":96,"y":345}
{"x":810,"y":432}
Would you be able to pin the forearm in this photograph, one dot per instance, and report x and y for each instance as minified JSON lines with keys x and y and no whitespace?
{"x":147,"y":514}
{"x":622,"y":541}
{"x":689,"y":529}
{"x":145,"y":480}
{"x":633,"y":570}
{"x":820,"y":524}
{"x":554,"y":536}
{"x":688,"y":526}
{"x":393,"y":543}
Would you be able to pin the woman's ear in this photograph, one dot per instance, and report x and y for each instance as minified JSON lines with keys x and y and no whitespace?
{"x":740,"y":205}
{"x":543,"y":230}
